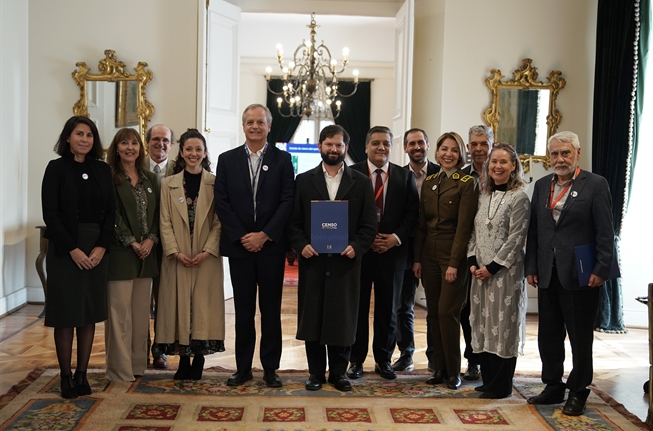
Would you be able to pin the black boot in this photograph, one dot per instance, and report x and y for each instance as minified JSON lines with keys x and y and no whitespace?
{"x":68,"y":389}
{"x":197,"y":367}
{"x":83,"y":388}
{"x":183,"y":372}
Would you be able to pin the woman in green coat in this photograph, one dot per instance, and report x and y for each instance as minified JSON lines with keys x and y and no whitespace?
{"x":132,"y":261}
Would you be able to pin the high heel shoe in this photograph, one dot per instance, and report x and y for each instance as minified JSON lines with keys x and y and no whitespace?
{"x":83,"y":387}
{"x":197,"y":368}
{"x":68,"y":389}
{"x":183,"y":372}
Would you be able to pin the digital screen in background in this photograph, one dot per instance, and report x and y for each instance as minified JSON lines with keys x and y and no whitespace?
{"x":304,"y":156}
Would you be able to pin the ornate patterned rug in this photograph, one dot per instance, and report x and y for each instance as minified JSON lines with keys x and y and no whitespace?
{"x":155,"y":402}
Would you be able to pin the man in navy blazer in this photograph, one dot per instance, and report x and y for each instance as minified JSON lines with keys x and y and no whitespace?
{"x":254,"y":191}
{"x":397,"y":209}
{"x":570,"y":207}
{"x":416,"y":146}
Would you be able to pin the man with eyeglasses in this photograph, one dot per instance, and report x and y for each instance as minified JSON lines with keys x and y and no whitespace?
{"x":159,"y":140}
{"x":416,"y":146}
{"x":570,"y":208}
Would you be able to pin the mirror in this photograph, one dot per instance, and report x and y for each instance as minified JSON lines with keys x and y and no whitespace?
{"x":523,"y":111}
{"x":114,"y":98}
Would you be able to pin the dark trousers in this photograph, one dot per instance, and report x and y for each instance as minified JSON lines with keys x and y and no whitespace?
{"x":444,"y":302}
{"x":154,"y":300}
{"x":469,"y":354}
{"x":566,"y":312}
{"x":497,"y":373}
{"x":387,"y":291}
{"x":317,"y":354}
{"x":406,"y":318}
{"x":262,"y":272}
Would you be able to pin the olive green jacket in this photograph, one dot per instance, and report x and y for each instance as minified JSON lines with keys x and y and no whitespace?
{"x":124,"y":263}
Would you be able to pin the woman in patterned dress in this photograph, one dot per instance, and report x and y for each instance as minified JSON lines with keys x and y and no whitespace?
{"x":190,"y":315}
{"x":496,"y":260}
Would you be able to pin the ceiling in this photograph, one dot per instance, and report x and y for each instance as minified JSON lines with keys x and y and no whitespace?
{"x":380,"y":8}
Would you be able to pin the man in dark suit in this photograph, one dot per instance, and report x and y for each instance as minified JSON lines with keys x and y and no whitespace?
{"x":329,"y":282}
{"x":479,"y":142}
{"x":159,"y":140}
{"x":570,"y":207}
{"x":254,"y":191}
{"x":416,"y":146}
{"x":397,"y":210}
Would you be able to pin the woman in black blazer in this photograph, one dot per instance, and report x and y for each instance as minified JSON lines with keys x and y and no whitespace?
{"x":79,"y":213}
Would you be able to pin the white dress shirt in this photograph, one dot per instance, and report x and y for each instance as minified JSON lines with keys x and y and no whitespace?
{"x":333,"y":183}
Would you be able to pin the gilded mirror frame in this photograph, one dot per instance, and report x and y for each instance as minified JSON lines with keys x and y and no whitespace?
{"x":526,"y":77}
{"x":112,"y":70}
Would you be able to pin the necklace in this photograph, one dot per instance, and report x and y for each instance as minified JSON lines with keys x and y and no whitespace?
{"x":489,"y":208}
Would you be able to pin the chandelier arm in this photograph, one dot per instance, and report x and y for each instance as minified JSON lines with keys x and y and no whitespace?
{"x":350,"y":94}
{"x":274,"y":92}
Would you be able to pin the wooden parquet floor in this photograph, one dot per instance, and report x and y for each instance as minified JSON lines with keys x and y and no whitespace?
{"x":620,"y":366}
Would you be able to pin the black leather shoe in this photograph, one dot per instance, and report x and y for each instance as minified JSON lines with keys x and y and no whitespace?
{"x":454,"y":382}
{"x":239,"y":378}
{"x":481,"y":388}
{"x":404,"y":363}
{"x":472,"y":373}
{"x":546,"y":398}
{"x":314,"y":382}
{"x":574,"y":406}
{"x":271,"y":379}
{"x":197,"y":367}
{"x":340,"y":383}
{"x":68,"y":389}
{"x":385,"y":371}
{"x":183,"y":371}
{"x":437,"y":378}
{"x":355,"y":370}
{"x":492,"y":396}
{"x":81,"y":383}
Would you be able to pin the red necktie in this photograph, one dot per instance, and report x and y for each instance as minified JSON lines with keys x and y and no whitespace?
{"x":378,"y":192}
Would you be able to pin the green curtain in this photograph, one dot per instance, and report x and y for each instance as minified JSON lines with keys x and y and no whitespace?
{"x":355,"y":116}
{"x":283,"y":128}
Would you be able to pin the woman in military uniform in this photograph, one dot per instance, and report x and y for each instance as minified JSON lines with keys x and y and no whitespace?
{"x":447,"y":208}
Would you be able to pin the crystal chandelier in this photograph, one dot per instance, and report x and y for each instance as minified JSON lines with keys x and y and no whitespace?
{"x":310,"y":80}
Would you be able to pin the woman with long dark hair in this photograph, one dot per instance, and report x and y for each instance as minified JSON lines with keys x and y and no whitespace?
{"x":190,"y":312}
{"x":79,"y":213}
{"x":133,"y":259}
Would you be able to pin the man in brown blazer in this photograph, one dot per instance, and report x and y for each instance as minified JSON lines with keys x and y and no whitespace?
{"x":159,"y":139}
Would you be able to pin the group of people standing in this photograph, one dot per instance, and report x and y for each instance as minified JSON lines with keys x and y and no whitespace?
{"x":461,"y":231}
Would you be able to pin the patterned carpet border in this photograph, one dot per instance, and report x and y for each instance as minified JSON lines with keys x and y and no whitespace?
{"x":155,"y":384}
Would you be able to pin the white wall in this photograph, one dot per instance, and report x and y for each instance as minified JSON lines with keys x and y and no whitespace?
{"x":162,"y":33}
{"x":14,"y":66}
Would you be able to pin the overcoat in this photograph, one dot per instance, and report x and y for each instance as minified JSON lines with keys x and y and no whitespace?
{"x":329,"y":284}
{"x":124,"y":263}
{"x":182,"y":289}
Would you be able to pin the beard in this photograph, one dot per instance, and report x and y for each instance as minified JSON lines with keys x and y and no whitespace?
{"x":326,"y":158}
{"x":417,"y":156}
{"x":564,"y":169}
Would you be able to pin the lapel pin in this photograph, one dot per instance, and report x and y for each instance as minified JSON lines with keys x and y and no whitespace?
{"x":265,"y":167}
{"x":434,"y":187}
{"x":149,"y":190}
{"x":181,"y":200}
{"x":455,"y":176}
{"x":85,"y":176}
{"x":574,"y":194}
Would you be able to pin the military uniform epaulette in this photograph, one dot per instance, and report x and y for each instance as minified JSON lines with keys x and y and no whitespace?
{"x":466,"y":178}
{"x":430,"y":177}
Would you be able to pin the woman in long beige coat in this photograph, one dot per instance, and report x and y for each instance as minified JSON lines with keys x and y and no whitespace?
{"x":190,"y":319}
